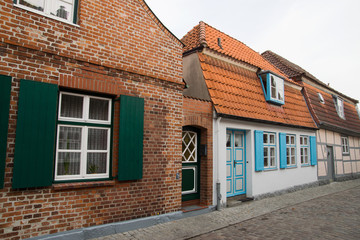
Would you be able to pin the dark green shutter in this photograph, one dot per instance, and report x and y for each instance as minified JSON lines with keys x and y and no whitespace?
{"x":259,"y":150}
{"x":131,"y":132}
{"x":313,"y":155}
{"x":35,"y":135}
{"x":282,"y":147}
{"x":5,"y":90}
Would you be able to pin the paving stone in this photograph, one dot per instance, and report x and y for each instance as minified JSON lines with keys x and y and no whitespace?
{"x":325,"y":212}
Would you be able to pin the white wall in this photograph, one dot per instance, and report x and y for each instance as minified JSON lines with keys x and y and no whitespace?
{"x":258,"y":183}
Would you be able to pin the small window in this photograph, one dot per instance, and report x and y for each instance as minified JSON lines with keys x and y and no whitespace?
{"x":304,"y":150}
{"x":189,"y":146}
{"x":273,"y":86}
{"x":321,"y":98}
{"x":358,"y":110}
{"x":290,"y":150}
{"x":269,"y":150}
{"x":339,"y":104}
{"x":83,"y":137}
{"x":64,"y":10}
{"x":345,"y":145}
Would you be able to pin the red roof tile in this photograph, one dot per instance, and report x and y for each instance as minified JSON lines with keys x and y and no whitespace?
{"x":324,"y":114}
{"x":238,"y":92}
{"x":204,"y":35}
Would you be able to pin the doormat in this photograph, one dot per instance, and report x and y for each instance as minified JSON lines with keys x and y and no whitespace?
{"x":246,"y":199}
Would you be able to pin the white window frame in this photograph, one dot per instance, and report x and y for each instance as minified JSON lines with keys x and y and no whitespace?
{"x":193,"y":140}
{"x":267,"y":80}
{"x":85,"y":124}
{"x":290,"y":148}
{"x":47,"y":13}
{"x":339,"y":104}
{"x":279,"y":88}
{"x":269,"y":145}
{"x":345,"y":145}
{"x":305,"y":150}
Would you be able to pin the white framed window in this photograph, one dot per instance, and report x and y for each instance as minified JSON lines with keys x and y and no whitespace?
{"x":321,"y":98}
{"x":189,"y":146}
{"x":83,"y":137}
{"x":290,"y":150}
{"x":345,"y":145}
{"x":339,"y":104}
{"x":273,"y":86}
{"x":269,"y":140}
{"x":64,"y":10}
{"x":304,"y":150}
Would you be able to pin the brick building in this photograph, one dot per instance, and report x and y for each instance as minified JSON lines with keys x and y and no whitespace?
{"x":91,"y":115}
{"x":338,"y":119}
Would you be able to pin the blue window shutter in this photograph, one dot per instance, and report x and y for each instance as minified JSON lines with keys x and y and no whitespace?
{"x":259,"y":150}
{"x":5,"y":90}
{"x":35,"y":135}
{"x":282,"y":143}
{"x":131,"y":134}
{"x":313,"y":155}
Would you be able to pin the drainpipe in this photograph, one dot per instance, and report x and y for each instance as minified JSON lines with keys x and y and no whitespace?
{"x":218,"y":193}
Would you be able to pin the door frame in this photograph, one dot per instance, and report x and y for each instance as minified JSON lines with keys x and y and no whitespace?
{"x":233,"y":130}
{"x":196,"y":195}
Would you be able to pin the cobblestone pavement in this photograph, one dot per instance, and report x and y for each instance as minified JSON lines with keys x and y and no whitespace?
{"x":335,"y":216}
{"x":330,"y":211}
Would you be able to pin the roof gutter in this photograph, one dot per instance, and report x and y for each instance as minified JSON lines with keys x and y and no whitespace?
{"x":328,"y":126}
{"x":264,"y":121}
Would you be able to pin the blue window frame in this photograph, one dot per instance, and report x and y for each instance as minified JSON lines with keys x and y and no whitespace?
{"x":304,"y":150}
{"x":62,"y":10}
{"x":273,"y":86}
{"x":269,"y":148}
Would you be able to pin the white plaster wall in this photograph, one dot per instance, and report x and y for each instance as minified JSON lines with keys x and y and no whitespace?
{"x":258,"y":183}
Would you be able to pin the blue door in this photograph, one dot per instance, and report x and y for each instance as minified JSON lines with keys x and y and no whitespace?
{"x":235,"y":163}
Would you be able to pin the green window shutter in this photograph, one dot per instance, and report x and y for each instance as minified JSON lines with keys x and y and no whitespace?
{"x":282,"y":143}
{"x":5,"y":90}
{"x":131,"y":132}
{"x":35,"y":135}
{"x":313,"y":155}
{"x":259,"y":151}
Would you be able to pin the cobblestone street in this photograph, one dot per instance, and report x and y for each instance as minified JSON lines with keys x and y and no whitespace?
{"x":335,"y":216}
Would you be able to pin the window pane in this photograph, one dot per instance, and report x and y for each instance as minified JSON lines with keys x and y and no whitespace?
{"x":292,"y":140}
{"x":97,"y":139}
{"x":301,"y":140}
{"x":305,"y":141}
{"x":189,"y":146}
{"x":62,"y":9}
{"x":265,"y":138}
{"x":280,"y":89}
{"x":69,"y":138}
{"x":34,"y":4}
{"x":71,"y":106}
{"x":228,"y":140}
{"x":272,"y":161}
{"x":272,"y":152}
{"x":272,"y":139}
{"x":238,"y":140}
{"x":96,"y":163}
{"x":99,"y":109}
{"x":287,"y":139}
{"x":68,"y":163}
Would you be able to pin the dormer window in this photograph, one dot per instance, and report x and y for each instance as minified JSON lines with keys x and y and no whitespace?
{"x":321,"y":98}
{"x":273,"y":86}
{"x":339,"y":104}
{"x":358,"y":110}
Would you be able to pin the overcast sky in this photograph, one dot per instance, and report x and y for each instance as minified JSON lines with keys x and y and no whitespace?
{"x":321,"y":36}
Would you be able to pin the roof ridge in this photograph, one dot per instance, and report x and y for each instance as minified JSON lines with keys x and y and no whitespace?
{"x":202,"y":34}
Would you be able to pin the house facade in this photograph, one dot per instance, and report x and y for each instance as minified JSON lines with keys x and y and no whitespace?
{"x":91,"y":115}
{"x":263,"y":133}
{"x":338,"y":119}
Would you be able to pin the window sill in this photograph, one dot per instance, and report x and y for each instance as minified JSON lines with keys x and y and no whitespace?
{"x":269,"y":169}
{"x":77,"y":185}
{"x":306,"y":165}
{"x":290,"y":167}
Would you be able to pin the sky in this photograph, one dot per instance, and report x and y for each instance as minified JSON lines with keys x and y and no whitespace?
{"x":321,"y":36}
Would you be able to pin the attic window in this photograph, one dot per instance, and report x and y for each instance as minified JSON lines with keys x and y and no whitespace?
{"x":339,"y":104}
{"x":273,"y":86}
{"x":358,"y":110}
{"x":321,"y":98}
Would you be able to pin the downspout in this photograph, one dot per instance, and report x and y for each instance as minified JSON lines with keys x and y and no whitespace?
{"x":218,"y":193}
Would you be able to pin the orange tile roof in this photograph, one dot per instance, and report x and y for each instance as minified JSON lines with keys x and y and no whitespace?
{"x":238,"y":92}
{"x":203,"y":35}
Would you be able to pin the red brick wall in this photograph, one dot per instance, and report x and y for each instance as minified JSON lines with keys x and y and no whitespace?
{"x":133,"y":57}
{"x":198,"y":113}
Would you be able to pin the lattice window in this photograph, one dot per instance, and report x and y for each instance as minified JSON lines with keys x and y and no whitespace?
{"x":189,"y":146}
